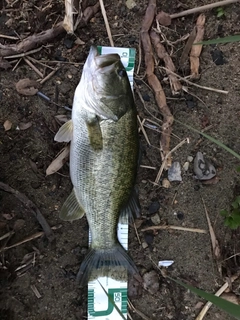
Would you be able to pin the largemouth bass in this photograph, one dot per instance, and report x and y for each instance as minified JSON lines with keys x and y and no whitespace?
{"x":104,"y":154}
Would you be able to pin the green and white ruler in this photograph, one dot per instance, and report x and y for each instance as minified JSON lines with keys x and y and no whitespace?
{"x":100,"y":306}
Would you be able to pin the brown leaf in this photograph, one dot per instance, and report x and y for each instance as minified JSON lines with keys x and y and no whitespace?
{"x":27,"y":87}
{"x":7,"y":125}
{"x":58,"y":162}
{"x":8,"y":216}
{"x":4,"y":64}
{"x":24,"y":126}
{"x":62,"y":118}
{"x":164,"y":18}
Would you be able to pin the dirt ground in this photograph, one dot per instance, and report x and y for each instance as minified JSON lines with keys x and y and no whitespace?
{"x":25,"y":155}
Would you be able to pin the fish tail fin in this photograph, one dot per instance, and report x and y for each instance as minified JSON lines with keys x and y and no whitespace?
{"x":113,"y":263}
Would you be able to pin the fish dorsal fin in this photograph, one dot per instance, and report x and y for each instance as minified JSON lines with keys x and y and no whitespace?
{"x":65,"y":133}
{"x":95,"y":133}
{"x":71,"y":209}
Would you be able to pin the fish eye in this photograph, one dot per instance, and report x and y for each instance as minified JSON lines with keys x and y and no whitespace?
{"x":122,"y":72}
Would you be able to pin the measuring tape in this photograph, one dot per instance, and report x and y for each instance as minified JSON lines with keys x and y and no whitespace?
{"x":100,"y":307}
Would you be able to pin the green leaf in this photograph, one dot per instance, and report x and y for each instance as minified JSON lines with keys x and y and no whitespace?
{"x":227,"y":39}
{"x":234,"y":204}
{"x":229,"y":307}
{"x":238,"y":200}
{"x":217,"y":142}
{"x":224,"y":213}
{"x":238,"y":169}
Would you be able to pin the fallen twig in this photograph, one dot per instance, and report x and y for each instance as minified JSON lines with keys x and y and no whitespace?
{"x":155,"y":84}
{"x":32,"y":207}
{"x":168,"y":155}
{"x":162,"y":54}
{"x":174,"y":228}
{"x":202,"y":8}
{"x":218,"y":294}
{"x":214,"y":241}
{"x":38,"y":39}
{"x":106,"y":22}
{"x":196,"y":49}
{"x":29,"y":238}
{"x":197,"y":85}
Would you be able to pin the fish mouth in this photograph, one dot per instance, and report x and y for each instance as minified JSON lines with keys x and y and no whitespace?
{"x":103,"y":62}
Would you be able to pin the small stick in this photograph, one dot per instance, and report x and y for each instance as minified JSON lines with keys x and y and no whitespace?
{"x":197,"y":49}
{"x":33,"y":67}
{"x":142,"y":315}
{"x":148,"y":167}
{"x":174,"y":228}
{"x":218,"y":294}
{"x":43,"y":64}
{"x":197,"y":85}
{"x":49,"y":75}
{"x":175,"y":84}
{"x":202,"y":8}
{"x":106,"y":22}
{"x":134,"y":225}
{"x":8,"y":37}
{"x":143,"y":130}
{"x":24,"y":54}
{"x":6,"y":235}
{"x":214,"y":241}
{"x":167,"y":156}
{"x":32,"y":237}
{"x":35,"y":291}
{"x":32,"y":207}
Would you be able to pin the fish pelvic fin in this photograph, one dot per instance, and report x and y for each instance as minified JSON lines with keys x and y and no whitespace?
{"x":71,"y":209}
{"x":65,"y":132}
{"x":114,"y":263}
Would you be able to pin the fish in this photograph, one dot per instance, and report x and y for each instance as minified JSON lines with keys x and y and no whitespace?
{"x":104,"y":158}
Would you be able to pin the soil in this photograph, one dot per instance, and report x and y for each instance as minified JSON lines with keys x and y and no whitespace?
{"x":26,"y":154}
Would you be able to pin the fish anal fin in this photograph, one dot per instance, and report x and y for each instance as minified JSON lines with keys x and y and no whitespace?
{"x":71,"y":209}
{"x":65,"y":132}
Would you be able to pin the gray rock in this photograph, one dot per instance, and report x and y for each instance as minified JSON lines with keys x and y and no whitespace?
{"x":203,"y":169}
{"x":174,"y":172}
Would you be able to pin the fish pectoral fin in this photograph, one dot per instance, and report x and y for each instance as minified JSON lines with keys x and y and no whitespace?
{"x":71,"y":209}
{"x":133,"y":208}
{"x":95,"y":133}
{"x":65,"y":133}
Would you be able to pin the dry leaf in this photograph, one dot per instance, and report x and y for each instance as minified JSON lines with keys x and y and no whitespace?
{"x":24,"y":126}
{"x":62,"y":118}
{"x":79,"y":41}
{"x":58,"y":162}
{"x":27,"y":87}
{"x":7,"y":125}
